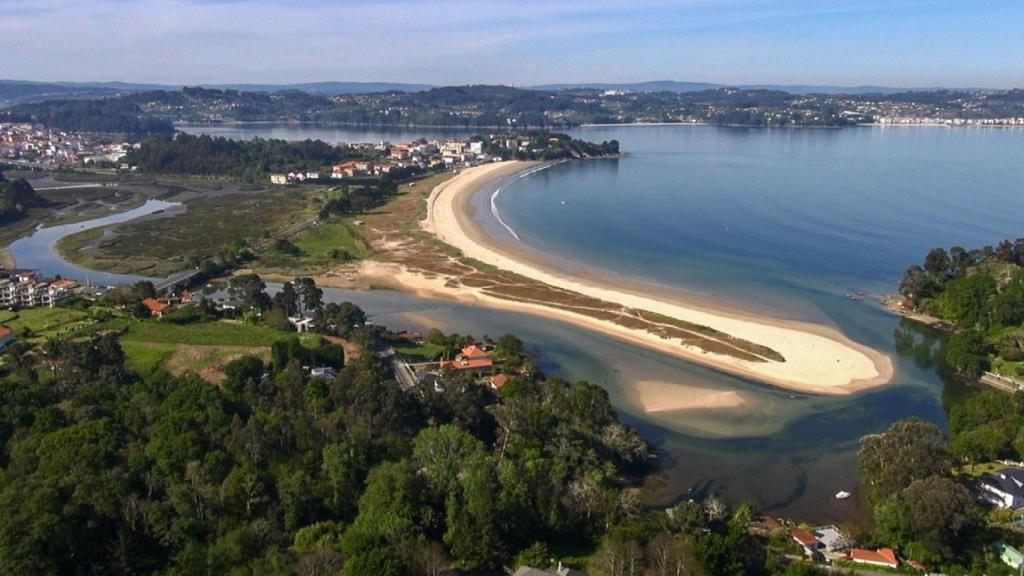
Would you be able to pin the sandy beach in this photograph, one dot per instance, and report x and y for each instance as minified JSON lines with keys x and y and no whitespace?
{"x":818,"y":358}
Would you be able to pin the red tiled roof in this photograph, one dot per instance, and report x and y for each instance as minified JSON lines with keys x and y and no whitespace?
{"x":474,"y":351}
{"x":155,"y":306}
{"x":63,"y":283}
{"x":500,"y":380}
{"x":804,"y":537}
{"x":881,"y":556}
{"x":472,"y":358}
{"x":5,"y":331}
{"x":469,"y":363}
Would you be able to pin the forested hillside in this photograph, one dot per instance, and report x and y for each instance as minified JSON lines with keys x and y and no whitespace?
{"x":981,"y":293}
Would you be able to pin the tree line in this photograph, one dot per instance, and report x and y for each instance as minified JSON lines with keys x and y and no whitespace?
{"x":114,"y":115}
{"x":981,"y":293}
{"x":247,"y":159}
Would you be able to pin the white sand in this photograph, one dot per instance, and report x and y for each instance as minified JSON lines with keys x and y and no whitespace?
{"x":819,"y":358}
{"x":659,"y":396}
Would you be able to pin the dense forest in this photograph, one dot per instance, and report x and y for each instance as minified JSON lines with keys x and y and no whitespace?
{"x":273,"y":471}
{"x":919,"y":508}
{"x":112,"y":115}
{"x":981,"y":294}
{"x":247,"y":159}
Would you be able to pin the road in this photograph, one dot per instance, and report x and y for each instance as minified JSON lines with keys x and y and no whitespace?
{"x":402,"y":371}
{"x":175,"y":279}
{"x":86,"y":185}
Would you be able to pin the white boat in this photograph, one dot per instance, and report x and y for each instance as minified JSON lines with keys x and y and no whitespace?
{"x":842,"y":495}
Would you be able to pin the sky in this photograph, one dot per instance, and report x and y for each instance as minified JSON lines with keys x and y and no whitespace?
{"x":908,"y":43}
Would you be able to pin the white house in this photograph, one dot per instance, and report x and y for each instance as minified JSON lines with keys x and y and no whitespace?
{"x":325,"y":372}
{"x":301,"y":324}
{"x":1004,"y":488}
{"x":832,"y":538}
{"x":278,"y":179}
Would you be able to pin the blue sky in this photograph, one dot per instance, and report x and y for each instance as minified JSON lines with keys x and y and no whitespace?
{"x":852,"y":42}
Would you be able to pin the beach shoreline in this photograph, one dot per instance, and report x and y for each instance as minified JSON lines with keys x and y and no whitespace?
{"x":818,"y":358}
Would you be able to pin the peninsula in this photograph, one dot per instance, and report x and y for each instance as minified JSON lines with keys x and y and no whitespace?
{"x":793,"y":355}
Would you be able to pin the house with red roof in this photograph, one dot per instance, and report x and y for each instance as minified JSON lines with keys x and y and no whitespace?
{"x":806,"y":539}
{"x":881,"y":557}
{"x":472,"y":358}
{"x":499,"y":380}
{"x":156,"y":307}
{"x":6,"y":336}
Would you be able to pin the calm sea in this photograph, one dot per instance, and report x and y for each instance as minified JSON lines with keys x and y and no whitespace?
{"x":785,"y":222}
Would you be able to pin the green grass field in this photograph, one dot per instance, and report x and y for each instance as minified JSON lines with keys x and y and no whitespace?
{"x":315,"y":245}
{"x":222,"y":333}
{"x":43,"y":323}
{"x":321,"y":239}
{"x":145,"y":357}
{"x":419,"y":353}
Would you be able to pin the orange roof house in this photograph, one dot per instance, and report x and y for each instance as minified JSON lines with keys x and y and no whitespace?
{"x":880,"y":557}
{"x":6,"y":336}
{"x":472,"y":357}
{"x":805,"y":538}
{"x":499,"y":380}
{"x":156,"y":307}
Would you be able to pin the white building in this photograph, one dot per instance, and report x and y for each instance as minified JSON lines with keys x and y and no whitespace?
{"x":24,"y":290}
{"x":1004,"y":488}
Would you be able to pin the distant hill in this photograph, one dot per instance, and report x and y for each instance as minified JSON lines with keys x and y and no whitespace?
{"x":13,"y":91}
{"x":16,"y":91}
{"x":831,"y":89}
{"x":683,"y":87}
{"x":653,"y":86}
{"x":327,"y":88}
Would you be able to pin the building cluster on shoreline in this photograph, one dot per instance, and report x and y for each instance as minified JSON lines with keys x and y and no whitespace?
{"x":927,"y":121}
{"x":37,"y":145}
{"x":384,"y":158}
{"x":28,"y":289}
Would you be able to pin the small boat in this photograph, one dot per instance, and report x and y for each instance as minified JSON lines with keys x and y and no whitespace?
{"x":563,"y":202}
{"x":842,"y":495}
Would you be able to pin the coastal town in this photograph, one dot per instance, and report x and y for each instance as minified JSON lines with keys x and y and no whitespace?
{"x":35,"y":145}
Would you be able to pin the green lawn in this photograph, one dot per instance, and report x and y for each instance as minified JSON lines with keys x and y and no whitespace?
{"x":419,"y":353}
{"x":45,"y":322}
{"x":222,"y":333}
{"x":145,"y":357}
{"x":1008,"y":368}
{"x":324,"y":237}
{"x":315,"y":246}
